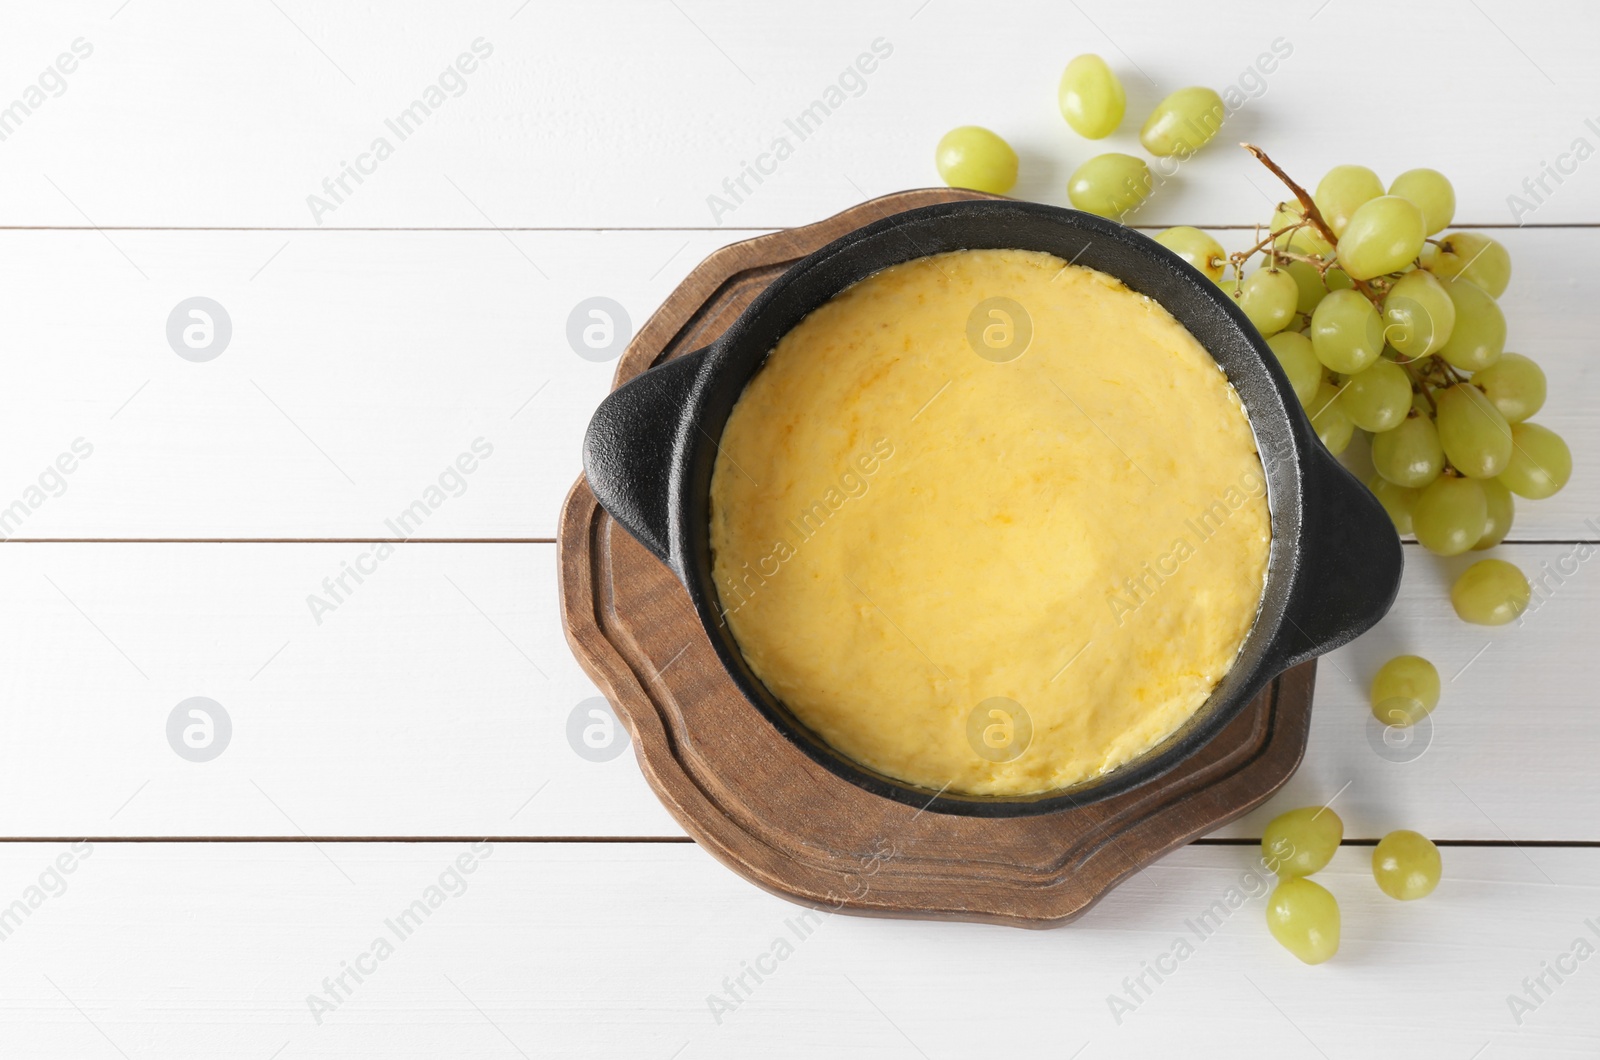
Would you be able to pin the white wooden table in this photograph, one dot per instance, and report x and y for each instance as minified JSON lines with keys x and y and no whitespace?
{"x":378,"y":335}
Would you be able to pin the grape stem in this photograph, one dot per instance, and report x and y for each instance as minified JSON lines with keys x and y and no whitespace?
{"x":1308,"y":209}
{"x":1308,"y":206}
{"x":1244,"y":255}
{"x":1419,"y":384}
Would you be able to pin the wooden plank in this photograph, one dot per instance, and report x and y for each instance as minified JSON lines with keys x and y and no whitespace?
{"x":362,"y":364}
{"x":435,"y":700}
{"x":601,"y":951}
{"x":585,"y":115}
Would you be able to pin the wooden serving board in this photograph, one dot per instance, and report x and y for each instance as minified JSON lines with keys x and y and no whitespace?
{"x":782,"y":821}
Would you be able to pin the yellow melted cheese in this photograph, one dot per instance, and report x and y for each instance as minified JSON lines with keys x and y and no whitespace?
{"x":995,"y":576}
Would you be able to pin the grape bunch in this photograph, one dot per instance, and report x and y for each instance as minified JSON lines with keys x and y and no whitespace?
{"x":1385,"y":327}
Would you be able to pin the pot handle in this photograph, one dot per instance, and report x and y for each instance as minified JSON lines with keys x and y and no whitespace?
{"x":1350,"y":563}
{"x":632,"y":447}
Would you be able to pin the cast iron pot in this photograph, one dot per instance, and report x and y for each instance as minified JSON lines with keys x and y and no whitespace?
{"x":1335,"y":561}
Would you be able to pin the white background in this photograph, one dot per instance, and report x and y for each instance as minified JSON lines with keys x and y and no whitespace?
{"x":429,"y":309}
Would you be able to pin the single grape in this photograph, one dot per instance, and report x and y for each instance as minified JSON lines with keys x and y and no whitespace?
{"x":1304,"y":918}
{"x":1491,"y":592}
{"x":1540,"y":463}
{"x":1342,"y":191}
{"x":1197,"y":248}
{"x":1502,"y":510}
{"x":1300,"y":842}
{"x":1450,"y":515}
{"x":1476,"y":438}
{"x":1384,"y":235}
{"x":1418,"y":315}
{"x":1479,"y":335}
{"x":1474,"y":256}
{"x":1110,"y":184}
{"x":1405,"y":690}
{"x":1410,"y":455}
{"x":1309,"y":283}
{"x":1433,"y":194}
{"x":1303,"y":240}
{"x":1299,"y":363}
{"x":1377,"y":397}
{"x":1406,"y":865}
{"x":1091,"y":97}
{"x":973,"y":157}
{"x":1268,"y":297}
{"x":1329,"y":419}
{"x":1183,"y":123}
{"x":1515,"y":385}
{"x":1346,"y":332}
{"x":1398,"y":501}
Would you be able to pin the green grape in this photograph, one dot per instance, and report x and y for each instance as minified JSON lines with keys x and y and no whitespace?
{"x":1301,"y":841}
{"x":1540,"y":463}
{"x":1502,"y":510}
{"x":1378,"y":397}
{"x":1304,"y":918}
{"x":1479,"y":336}
{"x":1432,"y":193}
{"x":1342,"y":191}
{"x":1305,"y":240}
{"x":1294,"y":354}
{"x":1418,"y":315}
{"x":1091,"y":97}
{"x":1491,"y":592}
{"x":1338,"y":280}
{"x":1268,"y":297}
{"x":1474,"y":256}
{"x":1183,"y":123}
{"x":1329,"y":419}
{"x":1309,"y":283}
{"x":1398,"y":501}
{"x":1476,"y":438}
{"x":1410,"y":455}
{"x":1197,"y":248}
{"x":1110,"y":184}
{"x":1405,"y":690}
{"x":1406,"y":865}
{"x":1515,"y":385}
{"x":1450,"y":515}
{"x":1384,"y":235}
{"x":973,"y":157}
{"x":1346,"y":331}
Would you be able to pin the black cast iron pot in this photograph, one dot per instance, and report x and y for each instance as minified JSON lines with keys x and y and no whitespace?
{"x":1335,"y":562}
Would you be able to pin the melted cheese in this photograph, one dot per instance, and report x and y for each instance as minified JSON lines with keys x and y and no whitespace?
{"x":992,"y":575}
